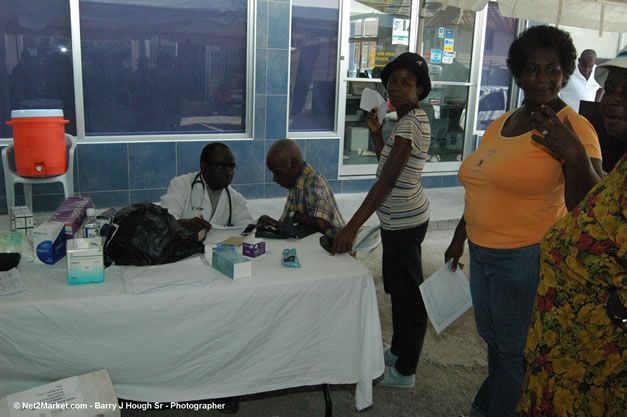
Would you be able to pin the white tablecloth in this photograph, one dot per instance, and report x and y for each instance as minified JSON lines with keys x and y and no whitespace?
{"x":281,"y":328}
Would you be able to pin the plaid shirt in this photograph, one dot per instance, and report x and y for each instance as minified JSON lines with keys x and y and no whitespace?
{"x":312,"y":195}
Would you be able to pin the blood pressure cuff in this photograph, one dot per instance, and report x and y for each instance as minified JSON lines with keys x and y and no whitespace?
{"x":146,"y":234}
{"x":287,"y":229}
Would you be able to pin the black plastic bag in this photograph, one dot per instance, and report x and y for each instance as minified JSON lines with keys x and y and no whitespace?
{"x":146,"y":234}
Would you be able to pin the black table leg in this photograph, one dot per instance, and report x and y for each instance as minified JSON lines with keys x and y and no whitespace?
{"x":328,"y":405}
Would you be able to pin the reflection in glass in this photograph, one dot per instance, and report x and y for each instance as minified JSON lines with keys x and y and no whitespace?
{"x":447,"y":41}
{"x":162,"y":69}
{"x":495,"y":77}
{"x":35,"y":59}
{"x":379,"y":32}
{"x":313,"y":65}
{"x":445,"y":106}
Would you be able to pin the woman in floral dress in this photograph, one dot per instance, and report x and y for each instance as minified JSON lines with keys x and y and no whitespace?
{"x":576,"y":343}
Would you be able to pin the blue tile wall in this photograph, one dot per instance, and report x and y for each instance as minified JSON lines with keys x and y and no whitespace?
{"x":250,"y":161}
{"x":276,"y":73}
{"x":431,"y":181}
{"x":151,"y":165}
{"x":273,"y":190}
{"x":250,"y":191}
{"x":357,"y":186}
{"x":261,"y":70}
{"x":106,"y":199}
{"x":262,"y":24}
{"x":279,"y":25}
{"x":103,"y":167}
{"x":451,"y":181}
{"x":323,"y":155}
{"x":260,"y":116}
{"x":276,"y":117}
{"x":188,"y":156}
{"x":147,"y":196}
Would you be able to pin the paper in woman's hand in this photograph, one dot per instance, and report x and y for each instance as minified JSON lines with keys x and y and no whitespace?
{"x":446,"y":295}
{"x":371,"y":99}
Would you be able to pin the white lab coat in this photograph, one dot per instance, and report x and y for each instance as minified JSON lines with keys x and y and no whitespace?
{"x":180,"y":200}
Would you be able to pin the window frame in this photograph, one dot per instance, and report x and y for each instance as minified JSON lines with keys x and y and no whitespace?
{"x":75,"y":31}
{"x":320,"y":134}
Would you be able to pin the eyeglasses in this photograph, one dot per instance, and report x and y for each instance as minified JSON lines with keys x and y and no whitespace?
{"x":224,"y":167}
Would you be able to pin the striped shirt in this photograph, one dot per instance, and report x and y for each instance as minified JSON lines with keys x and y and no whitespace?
{"x":407,"y":205}
{"x":312,"y":195}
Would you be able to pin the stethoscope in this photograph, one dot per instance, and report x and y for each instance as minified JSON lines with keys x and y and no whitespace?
{"x":198,"y":180}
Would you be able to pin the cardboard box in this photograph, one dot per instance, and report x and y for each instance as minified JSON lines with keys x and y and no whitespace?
{"x":48,"y":242}
{"x":232,"y":264}
{"x":254,"y":248}
{"x":85,"y":263}
{"x":72,"y":213}
{"x":21,"y":220}
{"x":92,"y":393}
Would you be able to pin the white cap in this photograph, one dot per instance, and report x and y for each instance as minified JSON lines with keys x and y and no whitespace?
{"x":16,"y":114}
{"x":91,"y":212}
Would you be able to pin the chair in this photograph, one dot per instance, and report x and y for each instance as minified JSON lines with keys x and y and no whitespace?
{"x":11,"y":176}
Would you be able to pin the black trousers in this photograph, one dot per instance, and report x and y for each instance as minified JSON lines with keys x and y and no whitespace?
{"x":402,"y":274}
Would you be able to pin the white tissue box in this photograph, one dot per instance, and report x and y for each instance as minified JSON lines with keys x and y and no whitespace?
{"x":85,"y":263}
{"x":232,"y":264}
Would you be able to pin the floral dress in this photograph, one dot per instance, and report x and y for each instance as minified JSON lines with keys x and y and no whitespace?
{"x":575,"y":354}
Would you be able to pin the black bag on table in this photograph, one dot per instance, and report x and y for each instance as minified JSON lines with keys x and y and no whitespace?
{"x":146,"y":234}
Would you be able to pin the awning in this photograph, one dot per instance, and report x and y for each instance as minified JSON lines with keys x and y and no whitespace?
{"x":602,"y":15}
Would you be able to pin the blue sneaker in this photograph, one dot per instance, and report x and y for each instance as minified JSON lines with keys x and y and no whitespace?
{"x":392,"y":379}
{"x":389,"y":357}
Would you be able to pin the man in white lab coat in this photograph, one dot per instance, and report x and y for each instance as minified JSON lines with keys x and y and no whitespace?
{"x":203,"y":199}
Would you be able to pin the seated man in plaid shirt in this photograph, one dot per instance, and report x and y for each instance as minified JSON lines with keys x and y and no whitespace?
{"x":310,"y":199}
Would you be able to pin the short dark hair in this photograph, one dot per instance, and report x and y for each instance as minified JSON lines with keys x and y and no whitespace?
{"x":210,"y":149}
{"x":542,"y":37}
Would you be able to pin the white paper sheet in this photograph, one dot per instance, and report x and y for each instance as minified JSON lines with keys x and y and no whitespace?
{"x":371,"y":99}
{"x":446,"y":295}
{"x":145,"y":279}
{"x":11,"y":282}
{"x":367,"y":239}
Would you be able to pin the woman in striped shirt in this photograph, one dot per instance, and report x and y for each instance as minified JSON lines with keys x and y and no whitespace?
{"x":403,"y":210}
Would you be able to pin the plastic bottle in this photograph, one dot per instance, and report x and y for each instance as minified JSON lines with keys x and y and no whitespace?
{"x":91,"y":227}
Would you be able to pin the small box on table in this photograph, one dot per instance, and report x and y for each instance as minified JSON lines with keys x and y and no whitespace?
{"x":71,"y":213}
{"x":85,"y":262}
{"x":231,"y":264}
{"x":22,"y":220}
{"x":254,"y":248}
{"x":48,"y":242}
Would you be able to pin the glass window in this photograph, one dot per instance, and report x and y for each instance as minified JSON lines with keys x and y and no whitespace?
{"x":447,"y":41}
{"x":381,"y":30}
{"x":35,"y":59}
{"x":381,"y":33}
{"x":447,"y":46}
{"x":446,"y":106}
{"x":313,"y":68}
{"x":164,"y":68}
{"x":496,"y":79}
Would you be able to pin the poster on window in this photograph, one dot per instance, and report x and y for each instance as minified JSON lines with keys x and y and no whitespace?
{"x":400,"y":32}
{"x":436,"y":56}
